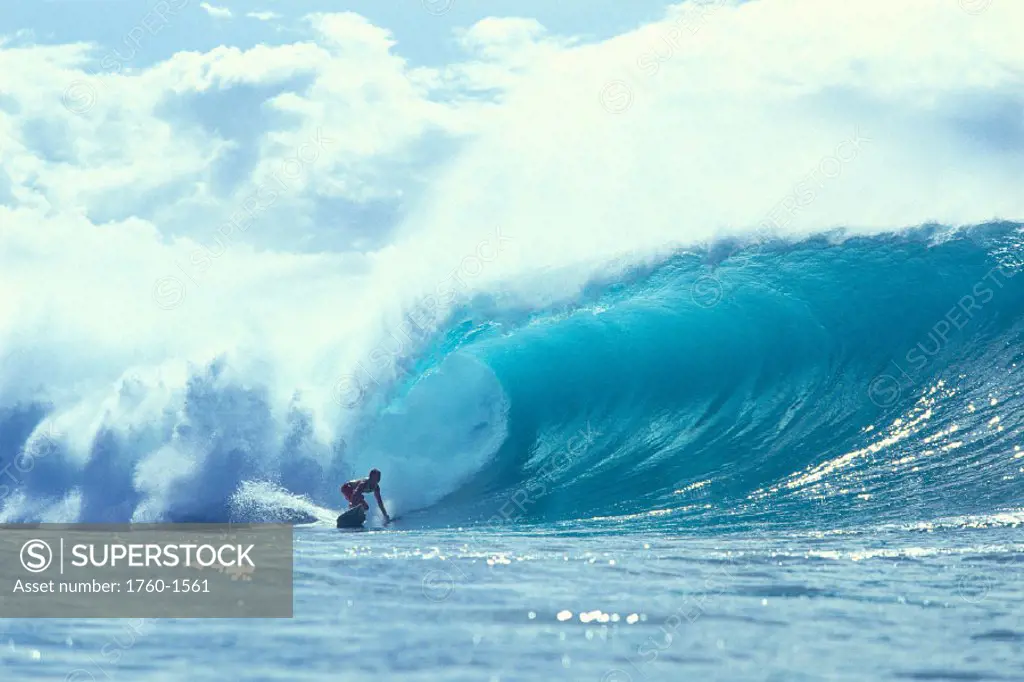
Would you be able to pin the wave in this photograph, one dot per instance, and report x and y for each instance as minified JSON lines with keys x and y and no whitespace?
{"x":834,"y":380}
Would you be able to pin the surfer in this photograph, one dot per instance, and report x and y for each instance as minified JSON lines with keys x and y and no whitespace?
{"x":354,"y":490}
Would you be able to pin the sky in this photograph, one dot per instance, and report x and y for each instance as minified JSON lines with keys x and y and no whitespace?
{"x":116,"y":45}
{"x":424,"y":27}
{"x":181,"y":178}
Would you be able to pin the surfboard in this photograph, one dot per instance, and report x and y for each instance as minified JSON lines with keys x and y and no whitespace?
{"x":352,"y":518}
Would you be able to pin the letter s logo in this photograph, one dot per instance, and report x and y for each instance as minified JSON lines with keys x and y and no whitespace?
{"x":36,"y":556}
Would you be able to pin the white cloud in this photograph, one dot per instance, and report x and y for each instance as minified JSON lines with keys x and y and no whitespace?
{"x":504,"y":50}
{"x":118,"y":145}
{"x":264,"y":16}
{"x":213,"y":11}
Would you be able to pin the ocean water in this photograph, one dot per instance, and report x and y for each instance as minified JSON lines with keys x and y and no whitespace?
{"x":765,"y":461}
{"x":939,"y":601}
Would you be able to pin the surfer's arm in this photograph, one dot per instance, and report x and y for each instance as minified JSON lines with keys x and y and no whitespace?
{"x":380,"y":503}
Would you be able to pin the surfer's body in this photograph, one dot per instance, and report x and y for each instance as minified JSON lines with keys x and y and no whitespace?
{"x":355,"y":490}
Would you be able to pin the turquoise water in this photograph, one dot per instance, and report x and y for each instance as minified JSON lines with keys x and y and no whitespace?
{"x":938,"y":601}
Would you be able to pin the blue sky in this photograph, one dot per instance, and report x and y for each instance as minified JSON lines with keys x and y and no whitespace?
{"x":423,"y":29}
